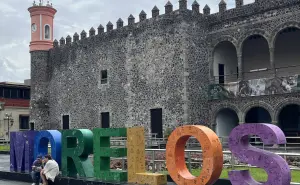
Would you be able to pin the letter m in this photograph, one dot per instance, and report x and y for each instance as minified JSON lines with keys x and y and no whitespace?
{"x":21,"y":151}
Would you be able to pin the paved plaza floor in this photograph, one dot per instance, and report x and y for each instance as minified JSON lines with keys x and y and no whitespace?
{"x":4,"y":166}
{"x":4,"y":162}
{"x":4,"y":182}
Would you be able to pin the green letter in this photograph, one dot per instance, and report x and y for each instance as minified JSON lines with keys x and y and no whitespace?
{"x":76,"y":147}
{"x":103,"y":152}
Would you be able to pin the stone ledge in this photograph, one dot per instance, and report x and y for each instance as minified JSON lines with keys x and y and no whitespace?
{"x":23,"y":177}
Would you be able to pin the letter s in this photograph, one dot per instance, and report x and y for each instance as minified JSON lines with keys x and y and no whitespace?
{"x":276,"y":167}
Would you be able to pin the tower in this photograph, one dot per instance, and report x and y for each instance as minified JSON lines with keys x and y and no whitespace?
{"x":42,"y":16}
{"x":41,"y":26}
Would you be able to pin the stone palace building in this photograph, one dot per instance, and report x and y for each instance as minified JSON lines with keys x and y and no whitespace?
{"x":178,"y":67}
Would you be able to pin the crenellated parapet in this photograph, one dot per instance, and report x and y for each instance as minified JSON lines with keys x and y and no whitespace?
{"x":169,"y":14}
{"x":223,"y":14}
{"x":247,"y":10}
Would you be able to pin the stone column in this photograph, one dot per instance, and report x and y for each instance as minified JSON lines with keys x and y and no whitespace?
{"x":240,"y":66}
{"x":272,"y":62}
{"x":211,"y":68}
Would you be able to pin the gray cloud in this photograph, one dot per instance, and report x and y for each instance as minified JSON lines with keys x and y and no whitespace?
{"x":72,"y":16}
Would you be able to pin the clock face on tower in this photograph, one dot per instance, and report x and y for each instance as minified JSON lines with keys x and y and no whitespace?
{"x":33,"y":27}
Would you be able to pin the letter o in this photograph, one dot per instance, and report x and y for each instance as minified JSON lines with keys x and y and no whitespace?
{"x":212,"y":155}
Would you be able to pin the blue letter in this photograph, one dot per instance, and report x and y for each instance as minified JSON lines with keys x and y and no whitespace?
{"x":41,"y":144}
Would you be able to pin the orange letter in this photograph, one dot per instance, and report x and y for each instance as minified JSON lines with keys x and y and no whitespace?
{"x":212,"y":155}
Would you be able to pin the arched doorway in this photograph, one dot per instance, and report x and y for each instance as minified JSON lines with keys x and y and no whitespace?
{"x":287,"y":53}
{"x":258,"y":115}
{"x":226,"y":120}
{"x":225,"y":63}
{"x":256,"y":57}
{"x":289,"y":120}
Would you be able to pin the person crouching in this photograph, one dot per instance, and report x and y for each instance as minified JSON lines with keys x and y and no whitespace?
{"x":37,"y":167}
{"x":50,"y":171}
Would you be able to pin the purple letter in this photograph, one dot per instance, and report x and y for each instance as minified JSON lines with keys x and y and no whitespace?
{"x":21,"y":150}
{"x":277,"y":168}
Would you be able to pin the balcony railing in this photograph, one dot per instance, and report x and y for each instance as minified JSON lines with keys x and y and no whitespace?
{"x":256,"y":83}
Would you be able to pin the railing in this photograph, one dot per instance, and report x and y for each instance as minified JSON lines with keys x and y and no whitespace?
{"x":281,"y":72}
{"x":232,"y":160}
{"x":293,"y":143}
{"x":151,"y":141}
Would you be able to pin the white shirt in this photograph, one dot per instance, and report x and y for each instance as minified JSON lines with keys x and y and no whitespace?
{"x":51,"y":170}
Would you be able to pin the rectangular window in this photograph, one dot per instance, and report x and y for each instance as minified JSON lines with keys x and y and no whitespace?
{"x":21,"y":94}
{"x":66,"y":122}
{"x":6,"y":93}
{"x":105,"y":120}
{"x":156,"y":122}
{"x":1,"y":91}
{"x":26,"y":94}
{"x":14,"y":93}
{"x":103,"y":76}
{"x":24,"y":122}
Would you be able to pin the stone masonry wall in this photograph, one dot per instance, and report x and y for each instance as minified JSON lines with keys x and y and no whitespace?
{"x":148,"y":67}
{"x":39,"y":111}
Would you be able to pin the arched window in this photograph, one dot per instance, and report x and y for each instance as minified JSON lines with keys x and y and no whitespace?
{"x":47,"y":32}
{"x":225,"y":63}
{"x":256,"y":57}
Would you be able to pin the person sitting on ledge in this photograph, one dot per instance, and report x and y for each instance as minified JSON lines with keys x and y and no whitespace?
{"x":37,"y":167}
{"x":50,"y":171}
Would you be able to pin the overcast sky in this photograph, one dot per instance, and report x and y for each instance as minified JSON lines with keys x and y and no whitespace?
{"x":72,"y":16}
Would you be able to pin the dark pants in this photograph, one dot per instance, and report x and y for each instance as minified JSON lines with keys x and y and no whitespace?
{"x":36,"y":177}
{"x":50,"y":182}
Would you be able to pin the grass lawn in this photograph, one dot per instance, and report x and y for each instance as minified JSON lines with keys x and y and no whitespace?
{"x":257,"y":173}
{"x":4,"y":148}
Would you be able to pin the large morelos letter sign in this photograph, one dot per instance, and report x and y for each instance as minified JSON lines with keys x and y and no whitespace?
{"x":72,"y":147}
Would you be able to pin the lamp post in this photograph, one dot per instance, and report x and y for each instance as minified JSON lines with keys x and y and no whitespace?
{"x":10,"y":122}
